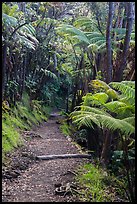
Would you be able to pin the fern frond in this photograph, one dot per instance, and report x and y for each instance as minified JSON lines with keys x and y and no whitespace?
{"x":114,"y":106}
{"x":49,"y":74}
{"x":27,"y":42}
{"x":120,"y":108}
{"x":129,"y":83}
{"x":116,"y":124}
{"x":124,"y":88}
{"x":85,"y":118}
{"x":83,"y":21}
{"x":130,"y":120}
{"x":92,"y":110}
{"x":81,"y":38}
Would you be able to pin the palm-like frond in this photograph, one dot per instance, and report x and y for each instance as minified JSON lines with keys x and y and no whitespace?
{"x":128,"y":91}
{"x":88,"y":109}
{"x":116,"y":124}
{"x":129,"y":83}
{"x":88,"y":118}
{"x":27,"y":42}
{"x":25,"y":34}
{"x":120,"y":108}
{"x":130,"y":120}
{"x":84,"y":21}
{"x":50,"y":74}
{"x":84,"y":119}
{"x":124,"y":107}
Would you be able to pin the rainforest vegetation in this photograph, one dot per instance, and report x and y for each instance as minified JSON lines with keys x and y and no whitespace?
{"x":78,"y":58}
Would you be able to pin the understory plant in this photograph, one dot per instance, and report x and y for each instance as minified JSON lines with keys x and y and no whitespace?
{"x":112,"y":108}
{"x":21,"y":117}
{"x":97,"y":185}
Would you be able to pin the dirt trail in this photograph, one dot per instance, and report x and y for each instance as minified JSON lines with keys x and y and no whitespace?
{"x":37,"y":183}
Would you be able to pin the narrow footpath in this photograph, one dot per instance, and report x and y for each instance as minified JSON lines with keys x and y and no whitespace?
{"x":39,"y":181}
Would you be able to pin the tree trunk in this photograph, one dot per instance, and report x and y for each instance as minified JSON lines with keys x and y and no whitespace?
{"x":4,"y":69}
{"x":22,"y":75}
{"x":130,"y":19}
{"x":105,"y":154}
{"x":93,"y":140}
{"x":90,"y":57}
{"x":108,"y":43}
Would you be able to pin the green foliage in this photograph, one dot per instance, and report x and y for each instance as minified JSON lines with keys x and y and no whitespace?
{"x":65,"y":129}
{"x":10,"y":137}
{"x":21,"y":117}
{"x":103,"y":115}
{"x":127,"y":89}
{"x":95,"y":99}
{"x":93,"y":188}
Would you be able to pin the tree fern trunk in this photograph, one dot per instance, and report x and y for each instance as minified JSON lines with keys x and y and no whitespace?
{"x":105,"y":154}
{"x":93,"y":140}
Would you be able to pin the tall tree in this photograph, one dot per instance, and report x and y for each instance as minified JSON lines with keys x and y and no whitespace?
{"x":108,"y":43}
{"x":123,"y":63}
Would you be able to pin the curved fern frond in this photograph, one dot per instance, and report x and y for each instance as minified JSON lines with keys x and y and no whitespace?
{"x":116,"y":124}
{"x":130,"y":120}
{"x":129,"y":83}
{"x":85,"y":120}
{"x":27,"y":42}
{"x":114,"y":105}
{"x":81,"y":38}
{"x":88,"y":118}
{"x":120,"y":108}
{"x":84,"y":21}
{"x":97,"y":84}
{"x":50,"y":74}
{"x":91,"y":110}
{"x":124,"y":88}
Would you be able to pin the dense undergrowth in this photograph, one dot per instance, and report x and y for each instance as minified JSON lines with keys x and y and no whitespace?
{"x":15,"y":119}
{"x":98,"y":185}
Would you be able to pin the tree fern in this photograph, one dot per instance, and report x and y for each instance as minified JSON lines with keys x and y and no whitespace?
{"x":102,"y":114}
{"x":88,"y":118}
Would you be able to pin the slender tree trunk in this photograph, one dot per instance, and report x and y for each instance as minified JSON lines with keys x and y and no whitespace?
{"x":22,"y":75}
{"x":55,"y":61}
{"x":130,"y":19}
{"x":4,"y":69}
{"x":90,"y":57}
{"x":108,"y":43}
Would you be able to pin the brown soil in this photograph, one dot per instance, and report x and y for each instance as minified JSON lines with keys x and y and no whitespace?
{"x":29,"y":180}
